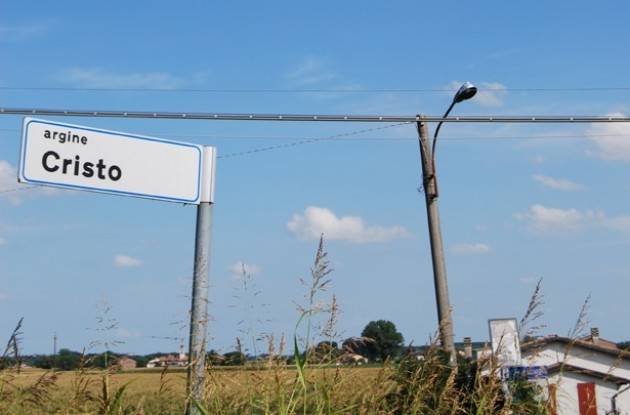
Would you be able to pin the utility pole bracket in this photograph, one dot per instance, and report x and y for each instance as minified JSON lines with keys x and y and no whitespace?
{"x":208,"y":170}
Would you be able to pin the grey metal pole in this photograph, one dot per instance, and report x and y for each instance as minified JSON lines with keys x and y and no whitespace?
{"x":199,"y":308}
{"x":429,"y":182}
{"x":311,"y":117}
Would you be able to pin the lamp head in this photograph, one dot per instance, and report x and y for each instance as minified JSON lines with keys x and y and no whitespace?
{"x":466,"y":91}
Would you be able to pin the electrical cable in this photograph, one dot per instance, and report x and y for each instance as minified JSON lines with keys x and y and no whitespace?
{"x":308,"y":91}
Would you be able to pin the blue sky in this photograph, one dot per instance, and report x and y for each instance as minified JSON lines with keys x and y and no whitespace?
{"x":517,"y":204}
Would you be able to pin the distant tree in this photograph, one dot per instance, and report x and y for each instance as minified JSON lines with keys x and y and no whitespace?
{"x":41,"y":361}
{"x":235,"y":358}
{"x":356,"y":345}
{"x":67,"y":360}
{"x":324,"y":352}
{"x":386,"y":340}
{"x":101,"y":360}
{"x":214,"y":358}
{"x":141,"y":360}
{"x":624,"y":345}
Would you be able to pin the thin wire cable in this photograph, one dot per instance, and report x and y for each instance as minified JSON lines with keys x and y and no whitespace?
{"x":17,"y":189}
{"x":309,"y":141}
{"x":307,"y":91}
{"x":292,"y":137}
{"x":385,"y":139}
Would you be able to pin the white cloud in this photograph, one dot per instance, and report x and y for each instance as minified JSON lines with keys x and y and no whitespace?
{"x":16,"y":192}
{"x":490,"y":94}
{"x":618,"y":223}
{"x":611,"y":140}
{"x":316,"y":221}
{"x":310,"y":71}
{"x":547,"y":219}
{"x":8,"y":180}
{"x":240,"y":266}
{"x":101,"y":78}
{"x":470,"y":249}
{"x":125,"y":261}
{"x":3,"y":241}
{"x":557,"y":184}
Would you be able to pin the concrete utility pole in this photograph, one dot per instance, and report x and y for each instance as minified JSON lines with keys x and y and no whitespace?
{"x":429,"y":183}
{"x":431,"y":193}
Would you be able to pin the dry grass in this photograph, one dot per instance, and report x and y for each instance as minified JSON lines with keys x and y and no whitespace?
{"x":148,"y":381}
{"x":229,"y":390}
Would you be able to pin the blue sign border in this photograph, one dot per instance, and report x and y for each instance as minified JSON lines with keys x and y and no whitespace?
{"x":24,"y":144}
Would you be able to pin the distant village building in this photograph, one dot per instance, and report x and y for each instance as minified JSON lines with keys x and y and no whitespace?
{"x":585,"y":375}
{"x":171,"y":360}
{"x":126,"y":363}
{"x":351,"y":359}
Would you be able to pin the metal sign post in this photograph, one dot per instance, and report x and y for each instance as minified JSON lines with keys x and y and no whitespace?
{"x":83,"y":158}
{"x":200,"y":287}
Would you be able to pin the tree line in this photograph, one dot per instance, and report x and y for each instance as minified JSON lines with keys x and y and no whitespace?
{"x":379,"y":341}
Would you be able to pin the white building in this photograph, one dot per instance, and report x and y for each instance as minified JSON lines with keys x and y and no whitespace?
{"x":584,"y":374}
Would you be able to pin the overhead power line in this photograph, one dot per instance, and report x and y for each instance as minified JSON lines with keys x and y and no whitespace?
{"x":310,"y":90}
{"x":313,"y":117}
{"x":383,"y":139}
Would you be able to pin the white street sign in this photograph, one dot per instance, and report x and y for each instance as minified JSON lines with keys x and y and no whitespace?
{"x":83,"y":158}
{"x":505,"y":341}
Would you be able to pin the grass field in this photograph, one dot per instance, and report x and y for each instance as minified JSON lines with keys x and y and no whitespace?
{"x":141,"y":381}
{"x":229,"y":390}
{"x":412,"y":387}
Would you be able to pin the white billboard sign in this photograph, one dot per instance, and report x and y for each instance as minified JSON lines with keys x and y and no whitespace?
{"x":84,"y":158}
{"x":505,"y":342}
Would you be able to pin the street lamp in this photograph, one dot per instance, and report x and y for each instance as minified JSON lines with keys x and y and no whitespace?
{"x":429,"y":181}
{"x":466,"y":91}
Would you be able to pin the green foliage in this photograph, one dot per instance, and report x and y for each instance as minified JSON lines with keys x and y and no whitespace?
{"x":526,"y":398}
{"x":324,"y":352}
{"x":234,"y":358}
{"x":386,"y":340}
{"x":355,"y":345}
{"x":67,"y":360}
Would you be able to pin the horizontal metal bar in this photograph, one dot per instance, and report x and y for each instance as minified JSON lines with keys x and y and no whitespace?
{"x":313,"y":117}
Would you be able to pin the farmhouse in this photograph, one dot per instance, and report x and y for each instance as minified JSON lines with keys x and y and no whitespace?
{"x":587,"y":376}
{"x":171,"y":360}
{"x":351,"y":359}
{"x":126,"y":363}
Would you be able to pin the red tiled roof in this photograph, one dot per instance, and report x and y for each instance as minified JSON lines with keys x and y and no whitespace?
{"x":603,"y":346}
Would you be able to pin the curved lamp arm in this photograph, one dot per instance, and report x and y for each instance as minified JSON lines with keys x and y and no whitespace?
{"x":435,"y":135}
{"x":466,"y":91}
